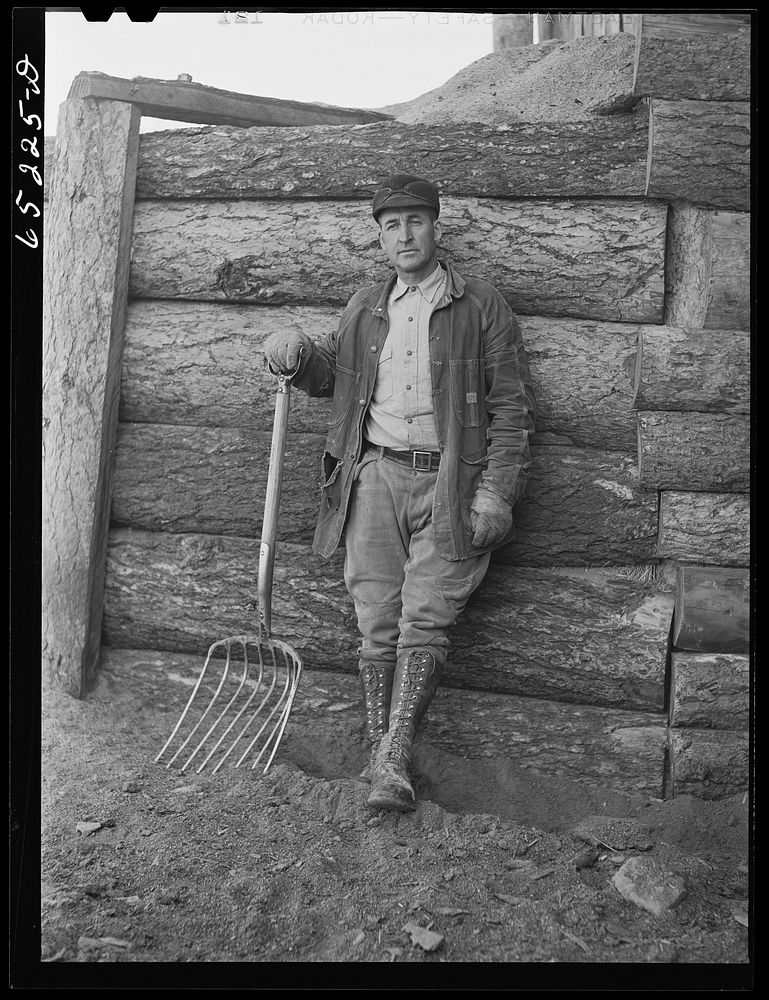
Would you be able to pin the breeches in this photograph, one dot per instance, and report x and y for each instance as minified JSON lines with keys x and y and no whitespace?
{"x":406,"y":595}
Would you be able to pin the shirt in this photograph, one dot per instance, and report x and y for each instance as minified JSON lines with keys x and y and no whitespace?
{"x":401,"y":411}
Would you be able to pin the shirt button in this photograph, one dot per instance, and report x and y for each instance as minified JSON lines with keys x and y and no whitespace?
{"x":411,"y":319}
{"x":408,"y":386}
{"x":413,"y":288}
{"x":362,"y":402}
{"x":409,"y":353}
{"x":409,"y":420}
{"x":373,"y":348}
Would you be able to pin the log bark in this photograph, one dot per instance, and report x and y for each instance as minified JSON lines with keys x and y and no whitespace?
{"x":707,"y":371}
{"x":710,"y":528}
{"x":694,"y":451}
{"x":201,"y":363}
{"x":700,"y":151}
{"x":709,"y":763}
{"x":604,"y":747}
{"x":712,"y":610}
{"x":582,"y":506}
{"x":547,"y":258}
{"x":708,"y":269}
{"x":710,"y":691}
{"x":701,"y":67}
{"x":584,"y":636}
{"x":185,"y":101}
{"x":87,"y":250}
{"x":601,"y":158}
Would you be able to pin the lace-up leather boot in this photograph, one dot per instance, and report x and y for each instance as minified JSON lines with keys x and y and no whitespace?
{"x":416,"y":677}
{"x":376,"y":680}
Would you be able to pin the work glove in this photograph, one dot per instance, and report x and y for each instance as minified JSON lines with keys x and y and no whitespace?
{"x":284,"y":350}
{"x":491,"y":517}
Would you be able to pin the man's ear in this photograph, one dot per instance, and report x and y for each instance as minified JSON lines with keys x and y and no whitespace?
{"x":437,"y":229}
{"x":381,"y":239}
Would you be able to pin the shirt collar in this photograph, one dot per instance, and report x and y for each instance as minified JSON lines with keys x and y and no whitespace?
{"x":428,"y":287}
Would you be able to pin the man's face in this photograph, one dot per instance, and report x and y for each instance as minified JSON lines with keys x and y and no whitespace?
{"x":409,"y":236}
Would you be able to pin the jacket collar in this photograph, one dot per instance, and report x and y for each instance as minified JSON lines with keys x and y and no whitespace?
{"x":455,"y":286}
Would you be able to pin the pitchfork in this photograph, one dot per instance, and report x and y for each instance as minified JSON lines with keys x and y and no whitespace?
{"x":277,"y":666}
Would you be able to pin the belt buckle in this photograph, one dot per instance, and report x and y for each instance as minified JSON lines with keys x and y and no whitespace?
{"x":422,"y":461}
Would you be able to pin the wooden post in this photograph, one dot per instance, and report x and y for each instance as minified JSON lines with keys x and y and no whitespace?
{"x":87,"y":259}
{"x":511,"y":31}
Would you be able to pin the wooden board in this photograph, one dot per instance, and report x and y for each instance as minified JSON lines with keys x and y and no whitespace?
{"x":700,"y":151}
{"x":694,"y":451}
{"x":598,"y":746}
{"x":87,"y":247}
{"x":681,"y":25}
{"x":594,"y":259}
{"x":712,"y":609}
{"x":600,"y":158}
{"x":708,"y":269}
{"x":582,"y":506}
{"x":582,"y":370}
{"x":587,"y":636}
{"x":707,"y":371}
{"x":711,"y":528}
{"x":185,"y":101}
{"x":711,"y":691}
{"x":702,"y":67}
{"x":709,"y":763}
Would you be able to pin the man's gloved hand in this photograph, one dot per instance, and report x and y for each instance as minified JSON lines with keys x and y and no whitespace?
{"x":491,"y":517}
{"x":284,"y":350}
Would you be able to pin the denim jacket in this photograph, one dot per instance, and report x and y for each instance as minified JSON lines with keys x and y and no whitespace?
{"x":482,"y":396}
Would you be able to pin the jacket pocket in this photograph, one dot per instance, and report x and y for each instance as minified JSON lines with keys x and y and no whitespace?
{"x":467,"y":391}
{"x":345,"y":386}
{"x":331,"y":484}
{"x":383,"y":386}
{"x":470,"y":474}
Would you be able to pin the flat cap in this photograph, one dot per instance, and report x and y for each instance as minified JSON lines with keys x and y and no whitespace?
{"x":403,"y":190}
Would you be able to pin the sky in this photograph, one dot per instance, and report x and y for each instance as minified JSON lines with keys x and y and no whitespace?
{"x":363,"y":59}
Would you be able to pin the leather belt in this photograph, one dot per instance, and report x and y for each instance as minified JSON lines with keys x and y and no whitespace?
{"x":422,"y":461}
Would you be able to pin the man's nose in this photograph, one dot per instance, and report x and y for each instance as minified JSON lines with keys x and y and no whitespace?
{"x":404,"y":234}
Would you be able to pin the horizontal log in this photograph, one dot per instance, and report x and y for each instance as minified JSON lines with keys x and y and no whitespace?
{"x":708,"y":269}
{"x":601,"y":158}
{"x":212,"y":480}
{"x":701,"y":67}
{"x":679,"y":25}
{"x":711,"y":528}
{"x":582,"y":506}
{"x":700,"y":150}
{"x":712,"y":612}
{"x":710,"y":691}
{"x":585,"y":636}
{"x":703,"y":370}
{"x":709,"y":763}
{"x":547,"y":257}
{"x":201,"y":363}
{"x":185,"y":101}
{"x":602,"y":747}
{"x":694,"y":451}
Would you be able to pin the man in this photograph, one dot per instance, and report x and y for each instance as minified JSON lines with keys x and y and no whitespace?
{"x":426,"y":454}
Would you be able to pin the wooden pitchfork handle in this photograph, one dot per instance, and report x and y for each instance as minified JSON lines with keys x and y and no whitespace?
{"x":272,"y":497}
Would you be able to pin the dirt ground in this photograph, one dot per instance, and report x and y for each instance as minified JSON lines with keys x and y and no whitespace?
{"x":144,"y":864}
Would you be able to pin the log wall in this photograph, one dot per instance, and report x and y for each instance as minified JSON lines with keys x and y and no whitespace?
{"x":623,"y":246}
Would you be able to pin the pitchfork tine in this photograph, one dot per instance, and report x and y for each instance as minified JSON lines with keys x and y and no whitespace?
{"x":189,"y":703}
{"x":222,"y":714}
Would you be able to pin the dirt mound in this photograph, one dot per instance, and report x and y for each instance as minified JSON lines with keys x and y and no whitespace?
{"x":552,"y":81}
{"x":141,"y":864}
